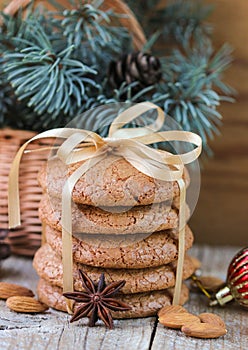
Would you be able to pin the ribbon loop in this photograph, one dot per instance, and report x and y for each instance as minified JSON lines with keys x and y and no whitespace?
{"x":132,"y":113}
{"x":67,"y":150}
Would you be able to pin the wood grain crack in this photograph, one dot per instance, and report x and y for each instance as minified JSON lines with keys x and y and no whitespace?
{"x":153,"y":333}
{"x":59,"y":339}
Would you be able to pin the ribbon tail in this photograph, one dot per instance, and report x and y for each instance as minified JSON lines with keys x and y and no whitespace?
{"x":13,"y":190}
{"x":66,"y":220}
{"x":13,"y":184}
{"x":181,"y":243}
{"x":67,"y":262}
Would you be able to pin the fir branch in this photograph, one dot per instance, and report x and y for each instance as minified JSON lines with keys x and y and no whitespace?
{"x":113,"y":103}
{"x":180,"y":21}
{"x":202,"y":60}
{"x":47,"y":80}
{"x":83,"y":23}
{"x":184,"y":21}
{"x":10,"y":27}
{"x":57,"y":67}
{"x":28,"y":119}
{"x":6,"y":101}
{"x":86,"y":24}
{"x":15,"y":26}
{"x":187,"y":93}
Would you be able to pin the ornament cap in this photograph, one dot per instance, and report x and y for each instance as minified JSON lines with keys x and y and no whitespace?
{"x":222,"y":297}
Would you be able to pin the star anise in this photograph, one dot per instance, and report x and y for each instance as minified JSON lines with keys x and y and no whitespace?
{"x":97,"y":300}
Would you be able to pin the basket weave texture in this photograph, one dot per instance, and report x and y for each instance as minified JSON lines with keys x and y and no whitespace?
{"x":25,"y":240}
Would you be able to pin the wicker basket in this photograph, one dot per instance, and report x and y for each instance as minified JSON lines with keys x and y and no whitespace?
{"x":26,"y":239}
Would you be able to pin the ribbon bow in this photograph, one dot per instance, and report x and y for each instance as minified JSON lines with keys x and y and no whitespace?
{"x":129,"y":143}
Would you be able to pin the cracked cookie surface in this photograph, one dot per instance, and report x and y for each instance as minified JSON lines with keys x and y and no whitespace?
{"x":159,"y":248}
{"x":111,"y":182}
{"x":89,"y":219}
{"x":143,"y":304}
{"x":49,"y":267}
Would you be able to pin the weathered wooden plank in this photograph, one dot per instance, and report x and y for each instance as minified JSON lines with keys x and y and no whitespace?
{"x":53,"y":331}
{"x":215,"y":261}
{"x":132,"y":334}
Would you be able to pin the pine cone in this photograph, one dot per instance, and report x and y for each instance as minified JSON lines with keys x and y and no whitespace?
{"x":137,"y":66}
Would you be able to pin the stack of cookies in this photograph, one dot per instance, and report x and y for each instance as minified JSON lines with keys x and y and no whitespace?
{"x":125,"y":225}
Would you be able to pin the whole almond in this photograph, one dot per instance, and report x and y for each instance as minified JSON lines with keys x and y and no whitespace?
{"x":203,"y":330}
{"x":210,"y":283}
{"x":212,"y":319}
{"x":196,"y":262}
{"x":25,"y":304}
{"x":177,"y":320}
{"x":8,"y":290}
{"x":171,"y":308}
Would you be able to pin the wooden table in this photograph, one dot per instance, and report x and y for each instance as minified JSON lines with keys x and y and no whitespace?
{"x":52,"y":330}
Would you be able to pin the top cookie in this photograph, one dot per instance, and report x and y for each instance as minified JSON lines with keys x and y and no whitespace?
{"x":111,"y":182}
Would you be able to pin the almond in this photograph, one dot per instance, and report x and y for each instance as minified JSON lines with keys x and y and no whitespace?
{"x":210,"y":283}
{"x":177,"y":320}
{"x":171,"y":308}
{"x":203,"y":330}
{"x":8,"y":290}
{"x":213,"y":319}
{"x":196,"y":262}
{"x":25,"y":304}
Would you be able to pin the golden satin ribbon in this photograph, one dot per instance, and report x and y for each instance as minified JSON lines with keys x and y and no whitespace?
{"x":129,"y":143}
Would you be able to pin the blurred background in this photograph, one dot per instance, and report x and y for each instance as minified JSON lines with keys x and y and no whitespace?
{"x":221,"y":216}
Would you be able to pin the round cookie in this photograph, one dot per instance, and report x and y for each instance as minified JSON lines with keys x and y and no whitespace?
{"x":92,"y":220}
{"x":143,"y":304}
{"x":111,"y":182}
{"x":49,"y":267}
{"x":159,"y":248}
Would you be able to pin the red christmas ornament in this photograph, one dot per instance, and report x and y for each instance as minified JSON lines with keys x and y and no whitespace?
{"x":237,"y":281}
